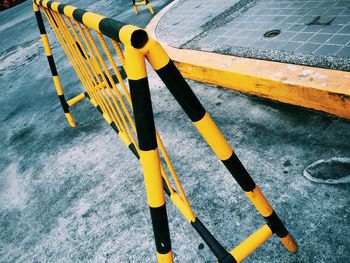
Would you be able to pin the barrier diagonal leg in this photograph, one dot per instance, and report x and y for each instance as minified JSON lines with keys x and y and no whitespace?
{"x":52,"y":65}
{"x":149,"y":7}
{"x":182,"y":92}
{"x":149,"y":157}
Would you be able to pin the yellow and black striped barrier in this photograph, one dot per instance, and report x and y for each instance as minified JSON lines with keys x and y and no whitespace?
{"x":88,"y":39}
{"x":143,"y":2}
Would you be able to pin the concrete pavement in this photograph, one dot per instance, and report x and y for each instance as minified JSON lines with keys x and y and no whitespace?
{"x":77,"y":195}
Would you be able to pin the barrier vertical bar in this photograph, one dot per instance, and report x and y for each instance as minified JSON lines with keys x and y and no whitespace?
{"x":135,"y":7}
{"x":149,"y":157}
{"x":52,"y":65}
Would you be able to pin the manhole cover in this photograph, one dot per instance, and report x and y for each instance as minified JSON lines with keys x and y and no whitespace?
{"x":331,"y":171}
{"x":272,"y":33}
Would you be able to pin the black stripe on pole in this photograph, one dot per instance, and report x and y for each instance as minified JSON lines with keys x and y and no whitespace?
{"x":87,"y":94}
{"x":110,"y":27}
{"x":142,"y":105}
{"x":218,"y":250}
{"x":236,"y":168}
{"x":107,"y":79}
{"x":49,"y":3}
{"x":276,"y":225}
{"x":40,"y":22}
{"x":161,"y":229}
{"x":80,"y":49}
{"x":133,"y":149}
{"x":64,"y":103}
{"x":166,"y":188}
{"x":181,"y":91}
{"x":52,"y":65}
{"x":78,"y":14}
{"x":99,"y":109}
{"x":115,"y":128}
{"x":60,"y":8}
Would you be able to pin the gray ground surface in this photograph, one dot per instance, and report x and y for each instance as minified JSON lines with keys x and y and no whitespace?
{"x":76,"y":195}
{"x":315,"y":33}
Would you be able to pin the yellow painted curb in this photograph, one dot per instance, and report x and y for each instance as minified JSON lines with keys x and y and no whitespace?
{"x":320,"y":89}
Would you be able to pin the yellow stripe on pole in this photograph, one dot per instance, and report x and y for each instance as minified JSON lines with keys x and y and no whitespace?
{"x":76,"y":99}
{"x":135,"y":63}
{"x":156,"y":55}
{"x":165,"y":258}
{"x":289,"y":243}
{"x":44,"y":3}
{"x":150,"y":9}
{"x":58,"y":86}
{"x":249,"y":245}
{"x":92,"y":20}
{"x":185,"y":209}
{"x":214,"y":137}
{"x":54,"y":6}
{"x":153,"y":180}
{"x":68,"y":10}
{"x":46,"y":45}
{"x":35,"y":7}
{"x":140,"y":3}
{"x":107,"y":118}
{"x":260,"y":202}
{"x":70,"y":120}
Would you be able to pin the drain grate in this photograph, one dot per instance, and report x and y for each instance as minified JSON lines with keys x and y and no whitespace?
{"x":272,"y":33}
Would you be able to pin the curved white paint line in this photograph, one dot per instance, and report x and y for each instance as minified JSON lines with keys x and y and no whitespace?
{"x":342,"y":180}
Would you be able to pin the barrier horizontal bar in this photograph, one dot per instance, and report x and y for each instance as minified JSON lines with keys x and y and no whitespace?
{"x":250,"y":244}
{"x":119,"y":31}
{"x":140,"y":3}
{"x":76,"y":99}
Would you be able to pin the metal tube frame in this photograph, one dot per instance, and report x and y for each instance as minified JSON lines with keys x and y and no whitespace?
{"x":139,"y":47}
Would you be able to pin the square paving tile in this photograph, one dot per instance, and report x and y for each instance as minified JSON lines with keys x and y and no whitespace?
{"x":341,"y":20}
{"x":339,"y":39}
{"x":286,"y":36}
{"x":344,"y":52}
{"x":291,"y":46}
{"x":345,"y":30}
{"x":295,"y":28}
{"x":302,"y":37}
{"x":273,"y":45}
{"x":307,"y":48}
{"x":328,"y":50}
{"x":312,"y":28}
{"x":331,"y":29}
{"x":319,"y":38}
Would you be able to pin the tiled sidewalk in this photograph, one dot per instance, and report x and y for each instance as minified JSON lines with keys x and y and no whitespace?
{"x":315,"y":33}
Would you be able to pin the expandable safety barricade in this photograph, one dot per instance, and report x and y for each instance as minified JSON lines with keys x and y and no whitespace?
{"x":82,"y":36}
{"x":143,"y":2}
